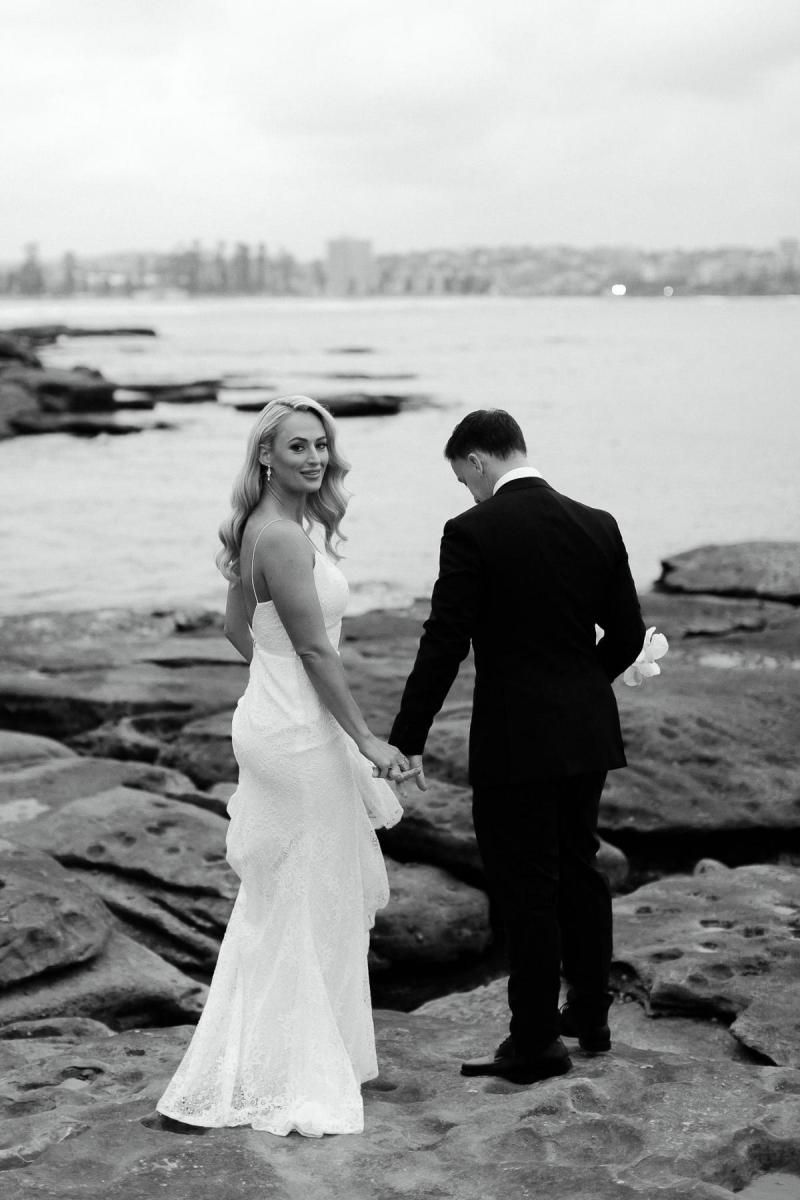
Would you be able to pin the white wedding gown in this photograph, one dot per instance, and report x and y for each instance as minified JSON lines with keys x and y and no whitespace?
{"x":286,"y":1036}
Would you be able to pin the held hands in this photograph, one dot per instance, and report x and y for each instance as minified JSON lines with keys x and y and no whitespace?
{"x":390,"y":763}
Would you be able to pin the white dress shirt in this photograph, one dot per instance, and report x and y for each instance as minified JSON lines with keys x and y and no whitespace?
{"x":517,"y":473}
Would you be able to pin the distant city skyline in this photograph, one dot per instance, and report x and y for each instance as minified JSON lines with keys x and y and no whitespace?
{"x":426,"y":124}
{"x":230,"y":246}
{"x":350,"y":268}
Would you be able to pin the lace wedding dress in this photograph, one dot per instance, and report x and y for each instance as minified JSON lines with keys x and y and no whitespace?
{"x":286,"y":1036}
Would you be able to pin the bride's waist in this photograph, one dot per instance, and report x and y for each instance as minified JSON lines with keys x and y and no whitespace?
{"x":279,"y":679}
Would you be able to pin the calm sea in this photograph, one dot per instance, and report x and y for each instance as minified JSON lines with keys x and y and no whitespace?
{"x":681,"y":416}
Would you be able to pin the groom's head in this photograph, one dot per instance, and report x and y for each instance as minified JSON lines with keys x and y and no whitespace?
{"x":482,"y":447}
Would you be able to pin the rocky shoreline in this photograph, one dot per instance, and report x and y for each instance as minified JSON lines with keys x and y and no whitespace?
{"x":115,"y":768}
{"x":36,"y":398}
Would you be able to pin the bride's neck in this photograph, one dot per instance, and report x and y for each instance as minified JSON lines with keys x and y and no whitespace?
{"x":290,"y":507}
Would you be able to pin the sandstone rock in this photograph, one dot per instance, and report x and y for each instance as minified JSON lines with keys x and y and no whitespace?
{"x":67,"y":1029}
{"x":362,"y":404}
{"x":16,"y":348}
{"x":182,"y":927}
{"x":159,"y":864}
{"x":378,"y":650}
{"x":446,"y":751}
{"x":707,"y":866}
{"x":197,"y":620}
{"x":60,"y":391}
{"x":79,"y":1121}
{"x":223,"y":791}
{"x":437,"y":828}
{"x":45,"y":335}
{"x":85,"y":640}
{"x":357,"y":376}
{"x":125,"y":985}
{"x":16,"y":403}
{"x":213,"y":801}
{"x":710,"y":752}
{"x":141,"y":738}
{"x":22,"y":749}
{"x":80,"y":424}
{"x":723,"y":944}
{"x":614,"y":865}
{"x":49,"y":918}
{"x":124,"y":399}
{"x":47,"y":787}
{"x":201,"y":650}
{"x":687,"y":617}
{"x":203,"y":750}
{"x":487,"y":1006}
{"x":766,"y":569}
{"x":431,"y":917}
{"x":67,"y":703}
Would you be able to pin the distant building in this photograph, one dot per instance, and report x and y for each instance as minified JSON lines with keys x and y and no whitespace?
{"x":350,"y":267}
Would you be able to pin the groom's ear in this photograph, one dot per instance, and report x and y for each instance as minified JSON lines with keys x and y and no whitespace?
{"x":476,"y":462}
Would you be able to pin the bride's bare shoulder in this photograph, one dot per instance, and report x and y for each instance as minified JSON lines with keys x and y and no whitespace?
{"x":277,"y":538}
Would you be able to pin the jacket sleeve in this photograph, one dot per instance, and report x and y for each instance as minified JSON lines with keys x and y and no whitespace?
{"x":620,"y":617}
{"x":445,"y":641}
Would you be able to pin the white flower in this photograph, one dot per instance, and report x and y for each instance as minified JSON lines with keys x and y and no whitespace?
{"x":655,"y":647}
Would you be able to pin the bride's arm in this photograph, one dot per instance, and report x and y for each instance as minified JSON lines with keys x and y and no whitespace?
{"x":236,"y":629}
{"x":287,"y":562}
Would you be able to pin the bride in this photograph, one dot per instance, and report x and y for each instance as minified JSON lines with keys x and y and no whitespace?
{"x":286,"y":1036}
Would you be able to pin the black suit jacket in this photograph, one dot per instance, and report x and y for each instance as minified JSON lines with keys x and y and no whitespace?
{"x":524,"y":577}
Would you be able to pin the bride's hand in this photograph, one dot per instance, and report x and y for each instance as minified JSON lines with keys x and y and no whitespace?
{"x":387,"y":761}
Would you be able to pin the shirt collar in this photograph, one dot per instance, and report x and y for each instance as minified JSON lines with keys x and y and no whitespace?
{"x":517,"y":473}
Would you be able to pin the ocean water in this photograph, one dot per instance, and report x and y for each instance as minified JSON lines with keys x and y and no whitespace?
{"x":680,"y":416}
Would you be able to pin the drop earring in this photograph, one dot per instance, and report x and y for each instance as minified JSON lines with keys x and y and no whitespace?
{"x":269,"y":474}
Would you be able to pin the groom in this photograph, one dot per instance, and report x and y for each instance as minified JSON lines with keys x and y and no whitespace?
{"x":524,"y":577}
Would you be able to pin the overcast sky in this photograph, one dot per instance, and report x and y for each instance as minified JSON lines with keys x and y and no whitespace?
{"x":417,"y":123}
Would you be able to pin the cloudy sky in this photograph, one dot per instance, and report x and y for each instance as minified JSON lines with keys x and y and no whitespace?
{"x":145,"y":123}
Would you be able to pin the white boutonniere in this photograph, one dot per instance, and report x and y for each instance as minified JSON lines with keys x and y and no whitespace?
{"x":646,"y":665}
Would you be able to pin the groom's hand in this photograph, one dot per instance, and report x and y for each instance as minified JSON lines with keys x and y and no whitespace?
{"x":415,"y":761}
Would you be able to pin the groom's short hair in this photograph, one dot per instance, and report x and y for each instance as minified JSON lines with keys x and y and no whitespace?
{"x":491,"y":430}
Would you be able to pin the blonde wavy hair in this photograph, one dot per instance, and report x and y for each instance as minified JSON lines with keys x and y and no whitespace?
{"x":325,"y":507}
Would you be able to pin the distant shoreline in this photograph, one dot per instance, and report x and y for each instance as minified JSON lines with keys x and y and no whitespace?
{"x":145,"y":297}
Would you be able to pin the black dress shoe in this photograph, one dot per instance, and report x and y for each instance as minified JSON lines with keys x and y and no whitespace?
{"x":521,"y":1068}
{"x":592,"y":1032}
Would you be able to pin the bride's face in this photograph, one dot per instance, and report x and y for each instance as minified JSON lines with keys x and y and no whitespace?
{"x":299,"y":454}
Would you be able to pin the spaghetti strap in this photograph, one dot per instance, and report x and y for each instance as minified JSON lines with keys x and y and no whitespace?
{"x":253,"y":555}
{"x":274,"y":521}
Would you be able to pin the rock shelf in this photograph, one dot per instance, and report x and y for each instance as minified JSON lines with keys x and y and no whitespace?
{"x":115,"y":771}
{"x":37,"y":399}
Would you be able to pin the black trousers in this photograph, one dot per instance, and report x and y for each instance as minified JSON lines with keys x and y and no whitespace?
{"x":538,"y":842}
